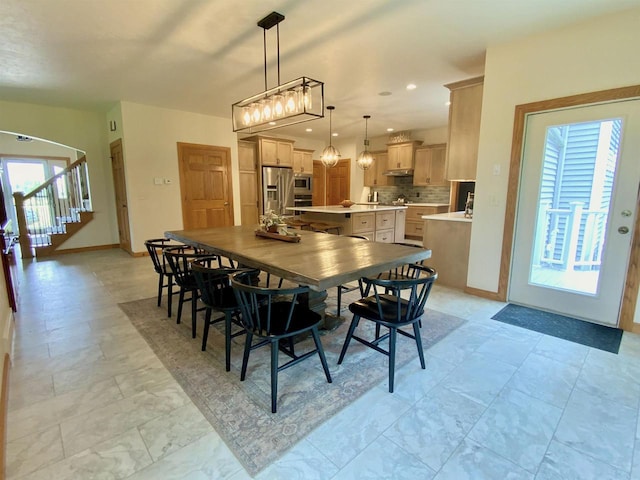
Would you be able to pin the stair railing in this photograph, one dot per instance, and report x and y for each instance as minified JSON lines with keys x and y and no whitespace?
{"x":46,"y":209}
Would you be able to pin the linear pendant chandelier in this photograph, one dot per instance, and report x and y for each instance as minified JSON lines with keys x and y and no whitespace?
{"x":297,"y":101}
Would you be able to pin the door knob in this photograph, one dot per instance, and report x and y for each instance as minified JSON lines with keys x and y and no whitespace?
{"x":226,"y":204}
{"x":623,"y":230}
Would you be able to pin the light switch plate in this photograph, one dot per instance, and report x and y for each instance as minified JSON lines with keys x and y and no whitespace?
{"x":496,"y":169}
{"x":157,"y":181}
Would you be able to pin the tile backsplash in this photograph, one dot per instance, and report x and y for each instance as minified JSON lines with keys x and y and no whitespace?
{"x":404,"y":186}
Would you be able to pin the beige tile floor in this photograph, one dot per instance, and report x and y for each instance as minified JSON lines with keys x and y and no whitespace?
{"x":89,"y":399}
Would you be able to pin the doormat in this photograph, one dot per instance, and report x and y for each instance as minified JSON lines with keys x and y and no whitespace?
{"x":567,"y":328}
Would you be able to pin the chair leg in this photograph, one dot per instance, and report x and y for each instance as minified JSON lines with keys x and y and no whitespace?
{"x":392,"y":357}
{"x":245,"y":356}
{"x":339,"y":300}
{"x":205,"y":333}
{"x":227,"y":339}
{"x":323,"y":359}
{"x":274,"y":375}
{"x":194,"y":312}
{"x":180,"y":302}
{"x":352,"y":328}
{"x":160,"y":285}
{"x":416,"y":333}
{"x":169,"y":294}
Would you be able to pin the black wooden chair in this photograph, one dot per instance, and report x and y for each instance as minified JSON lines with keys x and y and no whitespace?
{"x":217,"y":295}
{"x":402,"y":272}
{"x":180,"y":260}
{"x":275,"y":316}
{"x":387,"y":308}
{"x":349,"y":287}
{"x":155,"y":248}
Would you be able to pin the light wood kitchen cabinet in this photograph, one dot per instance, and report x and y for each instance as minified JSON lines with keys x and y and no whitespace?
{"x":401,"y":155}
{"x":385,"y":220}
{"x":430,"y":165}
{"x":363,"y":224}
{"x":274,"y":152}
{"x":248,"y":176}
{"x":373,"y":176}
{"x":449,"y":243}
{"x":385,"y":236}
{"x":464,"y":128}
{"x":302,"y":161}
{"x":401,"y":218}
{"x":414,"y":225}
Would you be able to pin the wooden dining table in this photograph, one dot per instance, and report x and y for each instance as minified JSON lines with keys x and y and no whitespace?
{"x":319,"y":260}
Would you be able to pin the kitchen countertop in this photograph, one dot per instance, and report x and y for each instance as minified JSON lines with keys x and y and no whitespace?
{"x":409,"y":204}
{"x":451,"y":216}
{"x":354,"y":209}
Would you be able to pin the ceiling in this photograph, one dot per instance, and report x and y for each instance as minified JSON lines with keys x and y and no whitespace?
{"x":203,"y":55}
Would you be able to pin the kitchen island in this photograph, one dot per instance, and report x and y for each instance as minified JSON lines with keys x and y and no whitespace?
{"x":448,"y":236}
{"x":380,"y":223}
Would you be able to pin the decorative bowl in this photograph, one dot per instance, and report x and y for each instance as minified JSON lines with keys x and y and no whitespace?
{"x":347,"y":203}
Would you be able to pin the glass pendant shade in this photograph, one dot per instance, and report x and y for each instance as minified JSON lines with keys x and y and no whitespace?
{"x":365,"y":159}
{"x":297,"y":101}
{"x":330,"y":155}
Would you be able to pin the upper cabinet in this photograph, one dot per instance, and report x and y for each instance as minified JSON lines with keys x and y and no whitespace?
{"x":401,"y":155}
{"x":373,"y":176}
{"x":303,"y":161}
{"x":274,"y":152}
{"x":464,"y":128}
{"x":430,"y":165}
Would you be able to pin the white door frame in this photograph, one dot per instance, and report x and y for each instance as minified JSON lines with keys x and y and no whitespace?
{"x":632,"y":283}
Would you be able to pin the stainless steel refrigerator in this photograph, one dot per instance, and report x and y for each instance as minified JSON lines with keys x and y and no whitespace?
{"x":277,"y":189}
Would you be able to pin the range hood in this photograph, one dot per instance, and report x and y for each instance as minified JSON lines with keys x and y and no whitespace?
{"x":405,"y":172}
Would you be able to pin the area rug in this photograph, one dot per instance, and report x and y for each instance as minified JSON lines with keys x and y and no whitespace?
{"x":241,"y":411}
{"x":577,"y":331}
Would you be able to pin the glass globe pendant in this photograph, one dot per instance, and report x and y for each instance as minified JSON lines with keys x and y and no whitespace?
{"x":330,"y":155}
{"x":365,"y":159}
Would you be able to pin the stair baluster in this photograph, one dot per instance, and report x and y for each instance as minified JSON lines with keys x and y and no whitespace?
{"x":54,"y":211}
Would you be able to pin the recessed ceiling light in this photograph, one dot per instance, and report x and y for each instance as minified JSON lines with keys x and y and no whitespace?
{"x":384,"y":94}
{"x":272,"y":123}
{"x":334,"y":134}
{"x":411,"y":86}
{"x":309,"y":130}
{"x":389,"y":129}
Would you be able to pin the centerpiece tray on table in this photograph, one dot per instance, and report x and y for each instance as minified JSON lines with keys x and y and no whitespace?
{"x":291,"y":238}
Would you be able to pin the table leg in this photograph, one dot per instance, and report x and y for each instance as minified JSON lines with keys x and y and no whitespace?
{"x":316,"y":303}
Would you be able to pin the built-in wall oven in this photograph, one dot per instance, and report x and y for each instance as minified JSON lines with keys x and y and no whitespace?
{"x":302,"y":185}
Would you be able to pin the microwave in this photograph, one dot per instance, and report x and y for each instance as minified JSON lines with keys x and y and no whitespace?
{"x":302,"y":184}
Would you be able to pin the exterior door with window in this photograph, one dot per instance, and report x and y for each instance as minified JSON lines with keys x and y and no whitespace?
{"x":576,"y":210}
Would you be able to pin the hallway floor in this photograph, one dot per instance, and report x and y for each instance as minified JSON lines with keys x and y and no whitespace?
{"x":89,"y":398}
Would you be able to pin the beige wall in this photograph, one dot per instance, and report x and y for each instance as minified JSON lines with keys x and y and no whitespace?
{"x":591,"y":56}
{"x":78,"y":129}
{"x":150,"y":149}
{"x":10,"y":146}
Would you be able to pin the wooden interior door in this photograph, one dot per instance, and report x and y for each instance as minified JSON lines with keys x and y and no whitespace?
{"x":248,"y":170}
{"x":120,"y":187}
{"x":338,"y":182}
{"x":205,"y":186}
{"x":318,"y":184}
